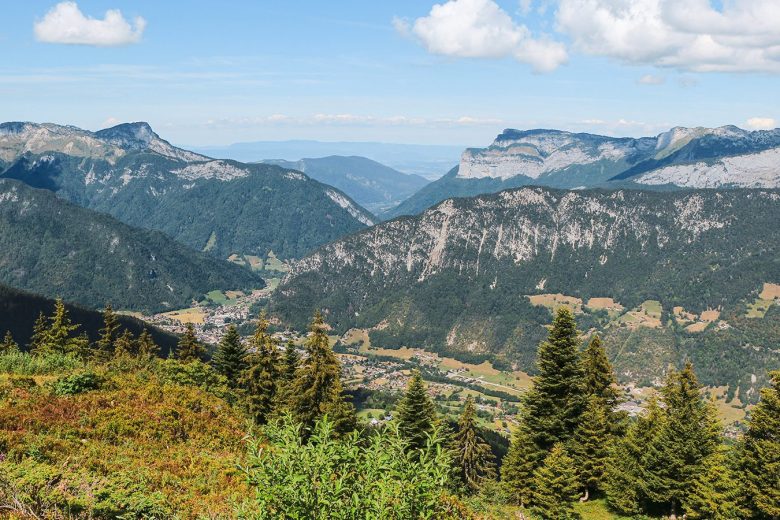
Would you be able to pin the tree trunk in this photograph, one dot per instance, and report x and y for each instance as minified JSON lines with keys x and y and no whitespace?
{"x":586,"y":496}
{"x":673,"y":516}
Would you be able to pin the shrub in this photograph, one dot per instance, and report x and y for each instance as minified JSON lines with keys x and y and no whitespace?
{"x":23,"y":363}
{"x":77,"y":383}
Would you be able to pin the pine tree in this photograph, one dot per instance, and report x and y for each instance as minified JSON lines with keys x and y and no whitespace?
{"x":715,"y":494}
{"x":124,"y":345}
{"x":689,"y":434}
{"x":230,"y":359}
{"x":8,"y":345}
{"x":474,"y":459}
{"x":145,"y":345}
{"x":589,"y":445}
{"x":599,"y":377}
{"x":61,"y":329}
{"x":39,"y":334}
{"x":108,"y":334}
{"x":760,"y":453}
{"x":287,"y":369}
{"x":556,"y":487}
{"x":517,"y":468}
{"x":415,"y":413}
{"x":189,"y":348}
{"x":261,"y":378}
{"x":623,"y":478}
{"x":317,"y":389}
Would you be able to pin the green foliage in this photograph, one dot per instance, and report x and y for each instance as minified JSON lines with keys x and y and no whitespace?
{"x":518,"y":467}
{"x":556,"y":486}
{"x":77,"y":383}
{"x":146,"y":346}
{"x":230,"y":359}
{"x":108,"y":334}
{"x":262,"y":378}
{"x":474,"y":459}
{"x":716,"y":491}
{"x":8,"y":345}
{"x":346,"y":478}
{"x":189,"y":348}
{"x":600,"y":380}
{"x":22,"y":363}
{"x":590,"y":444}
{"x":415,"y":413}
{"x":760,"y":461}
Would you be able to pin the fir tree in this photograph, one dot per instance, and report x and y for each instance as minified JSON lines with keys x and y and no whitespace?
{"x":556,"y":487}
{"x":317,"y":388}
{"x":623,"y":478}
{"x":124,"y":345}
{"x":61,"y":329}
{"x":39,"y":334}
{"x":288,"y":367}
{"x":599,"y":377}
{"x":415,"y":413}
{"x":189,"y":348}
{"x":8,"y":345}
{"x":715,"y":494}
{"x":760,"y":453}
{"x":145,"y":345}
{"x":517,"y":468}
{"x":263,"y":373}
{"x":688,"y":435}
{"x":474,"y":459}
{"x":589,"y":445}
{"x":230,"y":359}
{"x":108,"y":334}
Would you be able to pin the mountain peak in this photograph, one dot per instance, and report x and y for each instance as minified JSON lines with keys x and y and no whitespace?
{"x":138,"y":132}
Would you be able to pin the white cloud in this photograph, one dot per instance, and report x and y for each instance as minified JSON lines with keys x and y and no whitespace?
{"x":687,"y":35}
{"x":111,"y":121}
{"x":65,"y":23}
{"x":651,"y":79}
{"x":481,"y":29}
{"x":761,"y":123}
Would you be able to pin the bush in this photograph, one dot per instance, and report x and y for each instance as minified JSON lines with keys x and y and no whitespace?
{"x":23,"y":363}
{"x":77,"y":383}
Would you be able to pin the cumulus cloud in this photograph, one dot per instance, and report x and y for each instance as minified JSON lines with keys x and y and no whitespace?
{"x":651,"y":79}
{"x":481,"y":29}
{"x":692,"y":35}
{"x":761,"y":123}
{"x":65,"y":23}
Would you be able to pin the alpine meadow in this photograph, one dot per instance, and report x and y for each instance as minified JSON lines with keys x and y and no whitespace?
{"x":413,"y":260}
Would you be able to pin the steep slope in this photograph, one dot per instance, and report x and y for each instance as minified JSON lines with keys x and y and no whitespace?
{"x":218,"y":206}
{"x":54,"y":248}
{"x":374,"y":186}
{"x":19,"y":310}
{"x":459,"y":277}
{"x":725,"y":157}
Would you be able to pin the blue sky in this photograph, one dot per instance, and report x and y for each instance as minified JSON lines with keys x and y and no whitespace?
{"x":204,"y":73}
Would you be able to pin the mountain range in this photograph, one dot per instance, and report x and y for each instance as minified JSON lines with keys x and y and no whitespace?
{"x":725,"y":157}
{"x":52,"y":247}
{"x":666,"y":275}
{"x":218,"y":206}
{"x":374,"y":186}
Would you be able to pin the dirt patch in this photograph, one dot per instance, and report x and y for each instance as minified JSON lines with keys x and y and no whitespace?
{"x":710,"y":315}
{"x":604,"y":303}
{"x":553,"y":301}
{"x":194,"y":315}
{"x":771,"y":291}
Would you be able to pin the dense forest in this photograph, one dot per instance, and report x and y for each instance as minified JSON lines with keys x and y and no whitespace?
{"x":107,"y":428}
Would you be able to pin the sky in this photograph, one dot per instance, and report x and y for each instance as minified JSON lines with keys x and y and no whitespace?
{"x":454,"y":72}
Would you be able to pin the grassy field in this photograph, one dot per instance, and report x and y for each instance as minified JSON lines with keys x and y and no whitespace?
{"x":193,"y":315}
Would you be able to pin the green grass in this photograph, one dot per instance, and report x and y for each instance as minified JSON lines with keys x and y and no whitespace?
{"x":217,"y":297}
{"x":274,"y":264}
{"x":597,"y":510}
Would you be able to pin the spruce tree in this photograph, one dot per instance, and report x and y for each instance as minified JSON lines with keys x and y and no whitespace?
{"x":145,"y":345}
{"x":8,"y":345}
{"x":715,"y":494}
{"x":262,"y":377}
{"x":189,"y":348}
{"x":590,"y":443}
{"x":108,"y":334}
{"x":230,"y":359}
{"x":288,"y":367}
{"x":60,"y":337}
{"x":624,"y":476}
{"x":556,"y":486}
{"x":317,"y":389}
{"x":689,"y":434}
{"x":39,"y":335}
{"x":124,"y":345}
{"x":517,"y":468}
{"x":415,"y":413}
{"x":599,"y":377}
{"x":474,"y":459}
{"x":760,"y":453}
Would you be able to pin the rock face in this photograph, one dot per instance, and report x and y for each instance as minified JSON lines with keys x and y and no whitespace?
{"x":141,"y":179}
{"x":725,"y":157}
{"x":457,"y":276}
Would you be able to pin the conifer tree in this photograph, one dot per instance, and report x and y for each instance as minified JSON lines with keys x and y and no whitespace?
{"x":599,"y":376}
{"x":145,"y":345}
{"x":108,"y":334}
{"x":124,"y":345}
{"x":39,"y":334}
{"x":262,"y":377}
{"x":517,"y":468}
{"x":8,"y":345}
{"x":623,"y":478}
{"x":474,"y":459}
{"x":415,"y":413}
{"x":589,"y":445}
{"x":189,"y":348}
{"x":287,"y":369}
{"x":715,"y":494}
{"x":689,"y":434}
{"x":60,"y":330}
{"x":317,"y":389}
{"x":556,"y":487}
{"x":760,"y":453}
{"x":230,"y":359}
